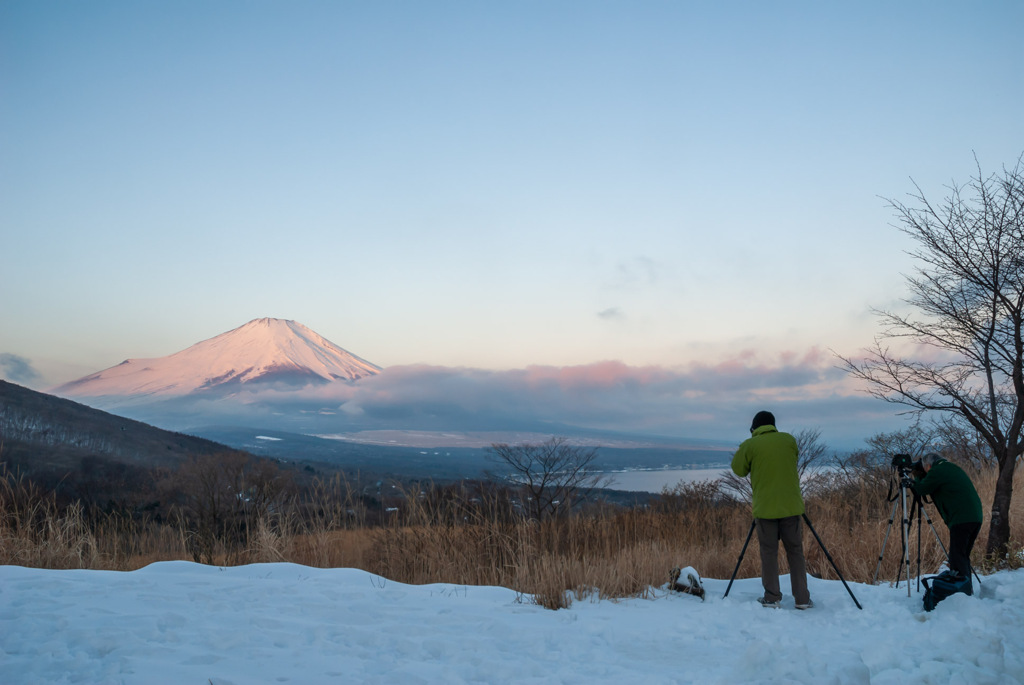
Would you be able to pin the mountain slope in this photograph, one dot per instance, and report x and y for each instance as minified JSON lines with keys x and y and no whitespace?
{"x":42,"y":431}
{"x":262,"y":351}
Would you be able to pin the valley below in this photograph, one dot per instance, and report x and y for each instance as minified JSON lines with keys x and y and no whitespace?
{"x":448,"y":456}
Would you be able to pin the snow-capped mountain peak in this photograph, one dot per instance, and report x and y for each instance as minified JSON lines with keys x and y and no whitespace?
{"x":261,"y":351}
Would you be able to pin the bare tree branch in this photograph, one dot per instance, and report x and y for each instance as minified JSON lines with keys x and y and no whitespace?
{"x":967,"y":293}
{"x":549,"y":474}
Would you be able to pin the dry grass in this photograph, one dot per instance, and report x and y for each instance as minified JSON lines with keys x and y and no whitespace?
{"x":35,"y":532}
{"x":606,"y":552}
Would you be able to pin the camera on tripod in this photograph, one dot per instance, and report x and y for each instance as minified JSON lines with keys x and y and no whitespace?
{"x":906,"y":468}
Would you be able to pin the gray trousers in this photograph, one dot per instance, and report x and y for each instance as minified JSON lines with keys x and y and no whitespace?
{"x":790,"y":531}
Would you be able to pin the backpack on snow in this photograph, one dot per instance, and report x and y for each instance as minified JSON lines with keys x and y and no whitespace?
{"x":943,"y":585}
{"x":686,"y":580}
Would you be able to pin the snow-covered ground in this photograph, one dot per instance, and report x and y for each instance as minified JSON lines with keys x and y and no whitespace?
{"x":179,"y":622}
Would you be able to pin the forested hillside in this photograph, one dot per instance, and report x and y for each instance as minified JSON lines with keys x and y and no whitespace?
{"x":40,"y":431}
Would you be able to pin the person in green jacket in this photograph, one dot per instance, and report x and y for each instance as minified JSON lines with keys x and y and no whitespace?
{"x":770,"y":457}
{"x":959,"y":506}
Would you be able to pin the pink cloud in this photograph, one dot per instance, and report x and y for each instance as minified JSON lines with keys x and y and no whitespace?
{"x":606,"y":375}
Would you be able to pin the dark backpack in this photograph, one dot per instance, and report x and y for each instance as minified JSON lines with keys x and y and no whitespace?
{"x":937,"y":588}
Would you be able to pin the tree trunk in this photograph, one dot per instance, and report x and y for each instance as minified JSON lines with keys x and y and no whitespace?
{"x":999,"y":527}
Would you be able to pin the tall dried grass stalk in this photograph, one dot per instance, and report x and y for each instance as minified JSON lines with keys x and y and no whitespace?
{"x":36,"y":532}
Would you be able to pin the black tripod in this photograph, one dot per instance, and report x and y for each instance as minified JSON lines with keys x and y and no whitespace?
{"x":828,"y":556}
{"x":899,"y":486}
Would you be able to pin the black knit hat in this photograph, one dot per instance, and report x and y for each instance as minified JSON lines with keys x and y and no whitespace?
{"x":762,"y":418}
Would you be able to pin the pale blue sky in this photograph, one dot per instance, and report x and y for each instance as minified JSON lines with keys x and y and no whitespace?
{"x":489,"y":185}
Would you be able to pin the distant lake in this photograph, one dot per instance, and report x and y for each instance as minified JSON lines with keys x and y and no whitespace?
{"x":654,"y":481}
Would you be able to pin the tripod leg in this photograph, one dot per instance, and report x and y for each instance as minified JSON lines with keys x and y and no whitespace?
{"x":906,"y":537}
{"x":831,"y":561}
{"x":740,"y":560}
{"x":904,"y":542}
{"x":885,"y":541}
{"x":919,"y":510}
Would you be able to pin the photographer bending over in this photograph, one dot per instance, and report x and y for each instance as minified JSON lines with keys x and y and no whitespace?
{"x":959,"y":506}
{"x":770,"y":457}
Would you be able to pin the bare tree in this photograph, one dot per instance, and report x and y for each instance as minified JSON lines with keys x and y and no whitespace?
{"x":873,"y":466}
{"x":967,"y":294}
{"x":961,"y":443}
{"x":223,"y":495}
{"x":549,"y":474}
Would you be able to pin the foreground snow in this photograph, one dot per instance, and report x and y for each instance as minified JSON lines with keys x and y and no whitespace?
{"x":180,"y":622}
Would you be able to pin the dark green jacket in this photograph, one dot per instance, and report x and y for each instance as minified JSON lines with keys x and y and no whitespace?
{"x":770,"y":458}
{"x":953,"y":493}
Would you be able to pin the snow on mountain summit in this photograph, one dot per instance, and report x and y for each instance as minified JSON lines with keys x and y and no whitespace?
{"x":263,"y":350}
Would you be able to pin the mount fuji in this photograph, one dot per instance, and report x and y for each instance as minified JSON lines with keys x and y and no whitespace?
{"x":262,"y":354}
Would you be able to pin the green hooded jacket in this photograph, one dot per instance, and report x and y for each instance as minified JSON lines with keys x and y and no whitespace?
{"x":770,"y":458}
{"x":953,"y":493}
